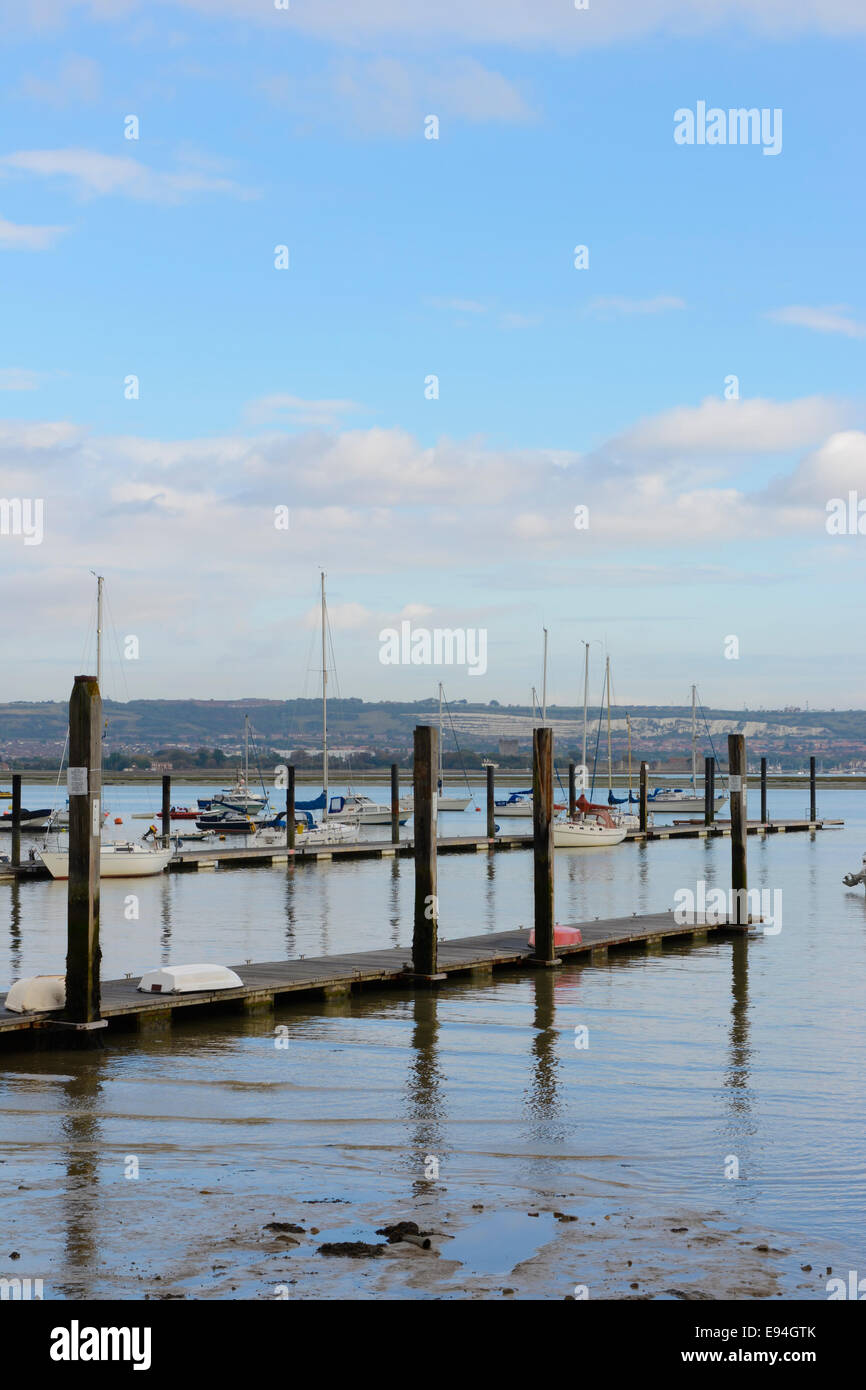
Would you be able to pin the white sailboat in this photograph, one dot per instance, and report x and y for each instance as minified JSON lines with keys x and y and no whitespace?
{"x":353,"y":808}
{"x":445,"y":802}
{"x":117,"y":859}
{"x":676,"y":798}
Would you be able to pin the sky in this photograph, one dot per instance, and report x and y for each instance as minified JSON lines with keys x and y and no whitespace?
{"x":285,"y":330}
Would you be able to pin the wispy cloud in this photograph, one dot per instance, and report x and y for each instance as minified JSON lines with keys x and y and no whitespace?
{"x":18,"y":379}
{"x":17,"y":236}
{"x":76,"y":80}
{"x":93,"y":174}
{"x":617,"y":305}
{"x":297,"y":411}
{"x":832,"y":318}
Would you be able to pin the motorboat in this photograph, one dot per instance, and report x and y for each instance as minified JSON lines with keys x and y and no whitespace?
{"x":116,"y":860}
{"x":30,"y":820}
{"x":222,"y":820}
{"x":364,"y":811}
{"x":517,"y":804}
{"x":307,"y":832}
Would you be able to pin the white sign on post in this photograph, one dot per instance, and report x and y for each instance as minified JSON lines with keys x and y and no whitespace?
{"x":735,"y":783}
{"x":76,"y":781}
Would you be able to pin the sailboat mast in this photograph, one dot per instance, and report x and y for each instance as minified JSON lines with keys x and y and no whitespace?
{"x":324,"y":703}
{"x":628,"y":726}
{"x":99,"y":583}
{"x":609,"y":758}
{"x":544,"y":683}
{"x":439,"y":769}
{"x":694,"y":745}
{"x":585,"y":688}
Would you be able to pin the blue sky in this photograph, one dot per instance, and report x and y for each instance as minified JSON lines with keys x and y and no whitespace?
{"x":408,"y":256}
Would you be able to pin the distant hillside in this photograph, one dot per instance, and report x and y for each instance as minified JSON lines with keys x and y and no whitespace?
{"x":837,"y":736}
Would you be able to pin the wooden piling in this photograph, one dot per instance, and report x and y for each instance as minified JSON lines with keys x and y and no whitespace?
{"x":290,"y":807}
{"x":85,"y":827}
{"x":813,"y":799}
{"x":542,"y":832}
{"x":572,"y":792}
{"x":708,"y":791}
{"x":166,"y":810}
{"x":763,"y":791}
{"x":16,"y":818}
{"x":491,"y":802}
{"x":395,"y":804}
{"x":426,"y":924}
{"x":643,"y":796}
{"x":738,"y":787}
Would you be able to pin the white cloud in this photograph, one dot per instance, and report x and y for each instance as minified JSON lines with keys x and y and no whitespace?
{"x":833,"y":318}
{"x":390,"y":96}
{"x":294,"y":409}
{"x":16,"y":236}
{"x":18,"y":379}
{"x":76,"y":80}
{"x":93,"y":174}
{"x":717,"y":427}
{"x":614,"y":305}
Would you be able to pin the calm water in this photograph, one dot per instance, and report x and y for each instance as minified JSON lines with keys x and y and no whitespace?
{"x":746,"y":1050}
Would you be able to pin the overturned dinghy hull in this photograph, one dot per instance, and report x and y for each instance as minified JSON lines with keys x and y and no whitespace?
{"x":189,"y":979}
{"x":37,"y":994}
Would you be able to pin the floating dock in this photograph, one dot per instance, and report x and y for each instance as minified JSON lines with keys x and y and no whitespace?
{"x":264,"y":983}
{"x":225,"y":854}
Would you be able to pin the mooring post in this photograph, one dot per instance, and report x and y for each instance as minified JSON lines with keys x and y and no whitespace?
{"x":712,"y":791}
{"x":738,"y":787}
{"x":395,"y":804}
{"x":544,"y":952}
{"x":763,"y":791}
{"x":290,"y":806}
{"x":16,"y":818}
{"x":491,"y":803}
{"x":572,"y":792}
{"x":643,"y":797}
{"x":166,"y":810}
{"x":813,"y":800}
{"x":708,"y":791}
{"x":426,"y":927}
{"x":84,"y":780}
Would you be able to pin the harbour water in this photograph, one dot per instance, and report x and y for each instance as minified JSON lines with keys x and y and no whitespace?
{"x":476,"y":1111}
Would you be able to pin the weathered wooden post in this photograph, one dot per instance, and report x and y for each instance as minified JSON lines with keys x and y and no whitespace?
{"x":572,"y":792}
{"x":16,"y":818}
{"x":544,"y":952}
{"x":708,"y":791}
{"x":395,"y":804}
{"x":738,"y":786}
{"x":813,"y":800}
{"x":290,"y":806}
{"x":643,"y":797}
{"x":166,"y":810}
{"x":84,"y":780}
{"x":491,"y":803}
{"x":763,"y":791}
{"x":426,"y":927}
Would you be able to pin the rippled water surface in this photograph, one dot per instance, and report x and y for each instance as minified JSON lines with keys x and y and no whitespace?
{"x":466,"y":1110}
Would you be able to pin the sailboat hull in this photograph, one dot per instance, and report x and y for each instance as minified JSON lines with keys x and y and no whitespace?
{"x":672,"y":803}
{"x":132,"y":863}
{"x":586,"y":834}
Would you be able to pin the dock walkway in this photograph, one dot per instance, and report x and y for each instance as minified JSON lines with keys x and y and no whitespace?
{"x":327,"y":976}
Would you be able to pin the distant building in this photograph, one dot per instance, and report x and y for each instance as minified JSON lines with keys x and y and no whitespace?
{"x":509,"y":747}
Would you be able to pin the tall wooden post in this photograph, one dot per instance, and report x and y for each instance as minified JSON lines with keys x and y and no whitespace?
{"x":763,"y":791}
{"x":738,"y":784}
{"x":290,"y":807}
{"x":16,"y":818}
{"x":84,"y":780}
{"x":708,"y":791}
{"x":491,"y":803}
{"x":166,"y":810}
{"x":643,"y":797}
{"x":712,"y":791}
{"x":572,"y":792}
{"x":426,"y":927}
{"x":395,"y":804}
{"x":813,"y":800}
{"x":544,"y":952}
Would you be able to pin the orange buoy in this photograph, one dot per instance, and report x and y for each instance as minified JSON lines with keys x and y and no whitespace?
{"x":118,"y":820}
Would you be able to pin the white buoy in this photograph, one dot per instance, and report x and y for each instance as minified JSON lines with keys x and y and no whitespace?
{"x":187,"y":979}
{"x":37,"y":994}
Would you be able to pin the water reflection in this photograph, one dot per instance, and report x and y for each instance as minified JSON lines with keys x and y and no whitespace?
{"x":15,"y":938}
{"x":425,"y":1104}
{"x":737,"y":1080}
{"x":82,"y":1140}
{"x":289,"y":887}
